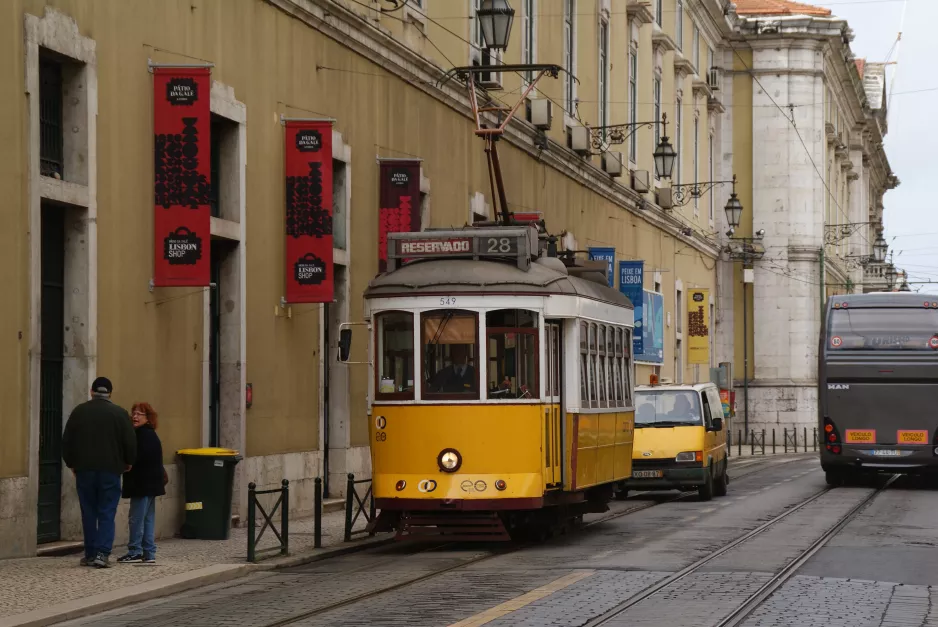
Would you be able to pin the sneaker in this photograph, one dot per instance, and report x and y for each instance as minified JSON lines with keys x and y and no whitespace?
{"x":149,"y":560}
{"x":102,"y":561}
{"x":130,"y":558}
{"x":86,"y":561}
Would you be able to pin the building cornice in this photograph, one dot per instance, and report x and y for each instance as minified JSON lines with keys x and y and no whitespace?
{"x":376,"y":44}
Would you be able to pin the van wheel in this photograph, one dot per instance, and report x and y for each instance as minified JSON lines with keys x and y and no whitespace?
{"x":720,"y":488}
{"x":705,"y":492}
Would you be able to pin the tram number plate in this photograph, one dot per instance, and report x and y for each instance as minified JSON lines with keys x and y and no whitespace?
{"x":885,"y":453}
{"x":646,"y":474}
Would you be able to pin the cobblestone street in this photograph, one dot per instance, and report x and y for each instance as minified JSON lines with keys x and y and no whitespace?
{"x":678,"y":562}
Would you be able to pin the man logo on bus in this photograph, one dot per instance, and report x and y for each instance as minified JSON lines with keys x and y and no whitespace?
{"x":838,"y":386}
{"x":836,"y":341}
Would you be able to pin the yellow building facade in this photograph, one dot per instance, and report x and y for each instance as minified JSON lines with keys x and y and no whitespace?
{"x":233,"y":365}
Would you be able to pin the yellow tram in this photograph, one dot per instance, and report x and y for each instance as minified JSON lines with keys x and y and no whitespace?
{"x":501,"y":394}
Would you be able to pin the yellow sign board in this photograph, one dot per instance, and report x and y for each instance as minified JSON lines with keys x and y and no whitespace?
{"x":698,"y":326}
{"x":912,"y":437}
{"x":193,"y":506}
{"x":863,"y":436}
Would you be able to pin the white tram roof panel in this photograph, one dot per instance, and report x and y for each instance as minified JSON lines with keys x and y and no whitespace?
{"x":545,"y":277}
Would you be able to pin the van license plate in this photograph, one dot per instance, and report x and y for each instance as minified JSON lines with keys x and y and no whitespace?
{"x":885,"y":453}
{"x":646,"y":474}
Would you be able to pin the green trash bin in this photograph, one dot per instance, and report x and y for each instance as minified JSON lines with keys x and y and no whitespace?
{"x":209,"y":483}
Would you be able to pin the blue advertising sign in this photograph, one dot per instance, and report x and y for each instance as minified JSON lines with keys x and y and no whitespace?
{"x":630,"y":284}
{"x":652,"y":329}
{"x":609,"y":256}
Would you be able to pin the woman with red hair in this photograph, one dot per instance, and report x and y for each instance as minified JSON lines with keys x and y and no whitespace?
{"x":142,"y":484}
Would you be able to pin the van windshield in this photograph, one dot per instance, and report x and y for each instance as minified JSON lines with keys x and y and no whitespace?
{"x":667,"y":408}
{"x":890,"y":329}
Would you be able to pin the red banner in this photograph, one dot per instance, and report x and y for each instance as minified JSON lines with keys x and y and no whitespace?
{"x":182,"y":176}
{"x":309,"y":211}
{"x":400,"y":203}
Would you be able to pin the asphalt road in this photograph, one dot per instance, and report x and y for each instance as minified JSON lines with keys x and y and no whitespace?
{"x":680,"y":562}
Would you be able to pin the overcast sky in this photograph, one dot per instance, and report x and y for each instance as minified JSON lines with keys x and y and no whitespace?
{"x":910,"y":215}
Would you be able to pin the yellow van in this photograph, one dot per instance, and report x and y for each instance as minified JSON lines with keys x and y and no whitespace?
{"x":680,"y":440}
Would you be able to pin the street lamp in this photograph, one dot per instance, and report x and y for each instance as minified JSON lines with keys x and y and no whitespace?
{"x":664,"y":154}
{"x":495,"y":18}
{"x":879,"y":249}
{"x":734,"y":210}
{"x":891,"y":275}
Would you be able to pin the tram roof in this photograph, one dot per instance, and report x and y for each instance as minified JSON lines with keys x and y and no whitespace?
{"x":478,"y":276}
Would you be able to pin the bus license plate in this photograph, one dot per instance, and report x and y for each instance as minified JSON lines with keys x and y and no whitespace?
{"x":646,"y":474}
{"x":885,"y":453}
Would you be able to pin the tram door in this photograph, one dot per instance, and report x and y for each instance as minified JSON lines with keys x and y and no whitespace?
{"x":553,"y":409}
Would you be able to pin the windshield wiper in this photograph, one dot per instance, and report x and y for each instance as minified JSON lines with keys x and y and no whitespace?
{"x":669,"y":423}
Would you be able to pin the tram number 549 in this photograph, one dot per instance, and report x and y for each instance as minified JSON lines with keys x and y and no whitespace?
{"x":501,"y":245}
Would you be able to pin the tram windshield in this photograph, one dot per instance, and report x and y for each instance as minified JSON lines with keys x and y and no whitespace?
{"x":450,"y":344}
{"x":667,"y":409}
{"x":891,"y":328}
{"x":395,"y":355}
{"x":512,"y":354}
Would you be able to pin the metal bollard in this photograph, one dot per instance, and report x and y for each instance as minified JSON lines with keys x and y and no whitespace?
{"x":349,"y":504}
{"x":815,"y":440}
{"x":285,"y":518}
{"x":739,"y":443}
{"x":763,"y":442}
{"x":752,"y":441}
{"x":252,"y":529}
{"x":805,"y":439}
{"x":317,"y":513}
{"x":785,"y":438}
{"x":773,"y":441}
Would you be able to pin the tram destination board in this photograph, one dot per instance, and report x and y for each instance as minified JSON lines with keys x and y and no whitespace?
{"x":462,"y":244}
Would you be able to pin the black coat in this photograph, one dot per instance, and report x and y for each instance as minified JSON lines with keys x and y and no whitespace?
{"x":146,"y":477}
{"x":99,"y":436}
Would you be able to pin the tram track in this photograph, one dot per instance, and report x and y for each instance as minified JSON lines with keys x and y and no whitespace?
{"x":295,"y":618}
{"x":743,"y":610}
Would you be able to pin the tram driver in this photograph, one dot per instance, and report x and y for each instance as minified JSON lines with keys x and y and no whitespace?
{"x":459,"y":376}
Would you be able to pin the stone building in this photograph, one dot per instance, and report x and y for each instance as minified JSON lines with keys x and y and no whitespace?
{"x":808,"y":146}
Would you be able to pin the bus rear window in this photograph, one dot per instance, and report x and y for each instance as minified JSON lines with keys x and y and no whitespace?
{"x":888,"y":329}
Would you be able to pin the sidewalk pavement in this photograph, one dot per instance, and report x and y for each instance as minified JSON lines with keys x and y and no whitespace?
{"x":46,"y":590}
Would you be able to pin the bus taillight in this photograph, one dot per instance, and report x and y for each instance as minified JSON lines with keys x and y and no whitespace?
{"x":833,"y":437}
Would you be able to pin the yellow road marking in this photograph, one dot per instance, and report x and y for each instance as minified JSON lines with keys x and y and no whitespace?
{"x":525,"y":599}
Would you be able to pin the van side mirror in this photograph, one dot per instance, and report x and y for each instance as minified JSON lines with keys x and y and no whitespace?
{"x":345,"y":344}
{"x":718,"y":424}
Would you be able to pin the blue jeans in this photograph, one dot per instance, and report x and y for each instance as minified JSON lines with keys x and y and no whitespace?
{"x":98,"y":494}
{"x":142,"y":522}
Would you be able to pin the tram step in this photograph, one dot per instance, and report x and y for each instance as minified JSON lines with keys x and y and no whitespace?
{"x":457,"y":527}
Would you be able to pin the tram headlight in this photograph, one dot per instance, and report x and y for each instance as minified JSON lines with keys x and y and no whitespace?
{"x":449,"y":460}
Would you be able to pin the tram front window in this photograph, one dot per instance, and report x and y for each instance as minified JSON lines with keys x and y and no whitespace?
{"x":395,"y":356}
{"x":450,"y":339}
{"x":512,"y":354}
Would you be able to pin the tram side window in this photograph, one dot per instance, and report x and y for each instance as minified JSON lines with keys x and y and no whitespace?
{"x":616,"y":375}
{"x":450,"y":346}
{"x":601,"y":365}
{"x":626,"y":358}
{"x":584,"y":370}
{"x":395,"y":336}
{"x":512,"y":354}
{"x":595,"y":381}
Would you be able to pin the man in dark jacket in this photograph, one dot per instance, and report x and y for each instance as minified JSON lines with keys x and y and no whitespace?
{"x":99,"y":445}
